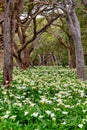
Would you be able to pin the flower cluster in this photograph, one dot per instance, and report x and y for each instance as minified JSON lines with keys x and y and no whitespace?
{"x":48,"y":98}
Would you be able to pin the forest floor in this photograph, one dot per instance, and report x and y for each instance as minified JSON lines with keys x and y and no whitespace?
{"x":44,"y":98}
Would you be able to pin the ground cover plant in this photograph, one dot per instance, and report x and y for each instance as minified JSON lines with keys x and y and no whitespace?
{"x":44,"y":98}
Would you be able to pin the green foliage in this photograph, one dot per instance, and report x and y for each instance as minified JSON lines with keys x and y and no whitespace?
{"x":48,"y":44}
{"x":44,"y":98}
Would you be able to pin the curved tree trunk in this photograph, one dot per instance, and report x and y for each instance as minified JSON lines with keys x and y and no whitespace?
{"x":74,"y":27}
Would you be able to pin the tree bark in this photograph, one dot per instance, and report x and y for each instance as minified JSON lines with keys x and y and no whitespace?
{"x":74,"y":27}
{"x":80,"y":63}
{"x":8,"y":34}
{"x":84,"y":2}
{"x":71,"y":56}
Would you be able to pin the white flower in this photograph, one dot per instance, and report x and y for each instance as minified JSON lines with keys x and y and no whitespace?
{"x":64,"y":123}
{"x":59,"y":101}
{"x":35,"y":114}
{"x":80,"y":125}
{"x":17,"y":104}
{"x":32,"y":82}
{"x":13,"y":117}
{"x":57,"y":109}
{"x":24,"y":86}
{"x":64,"y":112}
{"x":54,"y":119}
{"x":82,"y":94}
{"x":7,"y":112}
{"x":44,"y":100}
{"x":67,"y":106}
{"x":84,"y":121}
{"x":48,"y":112}
{"x":48,"y":101}
{"x":84,"y":111}
{"x":26,"y":113}
{"x":32,"y":105}
{"x":52,"y":115}
{"x":6,"y":116}
{"x":40,"y":116}
{"x":3,"y":92}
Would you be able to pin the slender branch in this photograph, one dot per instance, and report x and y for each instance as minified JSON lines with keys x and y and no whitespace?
{"x":37,"y":33}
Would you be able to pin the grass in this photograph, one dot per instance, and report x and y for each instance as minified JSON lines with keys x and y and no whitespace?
{"x":44,"y":98}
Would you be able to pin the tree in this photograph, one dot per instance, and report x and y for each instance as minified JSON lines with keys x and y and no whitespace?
{"x":74,"y":27}
{"x":67,"y":7}
{"x":22,"y":54}
{"x":64,"y":37}
{"x":8,"y":34}
{"x":11,"y":10}
{"x":84,"y":3}
{"x":51,"y":10}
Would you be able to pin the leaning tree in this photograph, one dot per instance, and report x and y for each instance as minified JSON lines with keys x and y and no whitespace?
{"x":68,"y":8}
{"x":74,"y":27}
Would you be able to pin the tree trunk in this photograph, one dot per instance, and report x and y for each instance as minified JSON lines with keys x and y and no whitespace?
{"x":71,"y":56}
{"x":74,"y":27}
{"x":25,"y":60}
{"x":84,"y":3}
{"x":1,"y":51}
{"x":80,"y":64}
{"x":7,"y":34}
